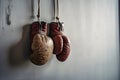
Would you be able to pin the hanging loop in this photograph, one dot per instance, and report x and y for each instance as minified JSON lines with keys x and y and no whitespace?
{"x":38,"y":15}
{"x":32,"y":10}
{"x":56,"y":10}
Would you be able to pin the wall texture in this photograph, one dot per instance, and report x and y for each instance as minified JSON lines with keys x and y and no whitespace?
{"x":91,"y":25}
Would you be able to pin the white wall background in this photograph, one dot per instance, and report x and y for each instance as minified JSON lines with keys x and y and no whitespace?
{"x":91,"y":25}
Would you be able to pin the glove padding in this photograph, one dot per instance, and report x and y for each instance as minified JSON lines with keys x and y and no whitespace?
{"x":65,"y":51}
{"x":42,"y":48}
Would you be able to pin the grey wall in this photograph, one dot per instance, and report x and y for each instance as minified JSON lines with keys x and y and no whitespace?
{"x":91,"y":25}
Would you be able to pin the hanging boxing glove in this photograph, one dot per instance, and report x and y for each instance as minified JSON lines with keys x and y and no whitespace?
{"x":55,"y":34}
{"x":42,"y":45}
{"x":66,"y":45}
{"x":61,"y":42}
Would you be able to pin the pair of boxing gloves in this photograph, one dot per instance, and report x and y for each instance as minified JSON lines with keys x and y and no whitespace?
{"x":47,"y":39}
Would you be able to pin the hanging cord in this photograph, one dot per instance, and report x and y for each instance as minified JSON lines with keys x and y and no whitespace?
{"x":38,"y":15}
{"x":56,"y":10}
{"x":32,"y":10}
{"x":56,"y":14}
{"x":57,"y":17}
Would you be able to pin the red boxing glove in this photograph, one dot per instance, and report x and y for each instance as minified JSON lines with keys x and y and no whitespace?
{"x":55,"y":34}
{"x":61,"y":42}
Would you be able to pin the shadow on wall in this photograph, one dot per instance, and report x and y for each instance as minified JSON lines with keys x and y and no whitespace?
{"x":19,"y":53}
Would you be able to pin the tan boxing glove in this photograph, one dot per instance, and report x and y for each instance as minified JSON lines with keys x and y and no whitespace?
{"x":42,"y":48}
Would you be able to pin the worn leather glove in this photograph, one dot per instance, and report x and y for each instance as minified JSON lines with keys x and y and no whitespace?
{"x":61,"y":42}
{"x":42,"y":45}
